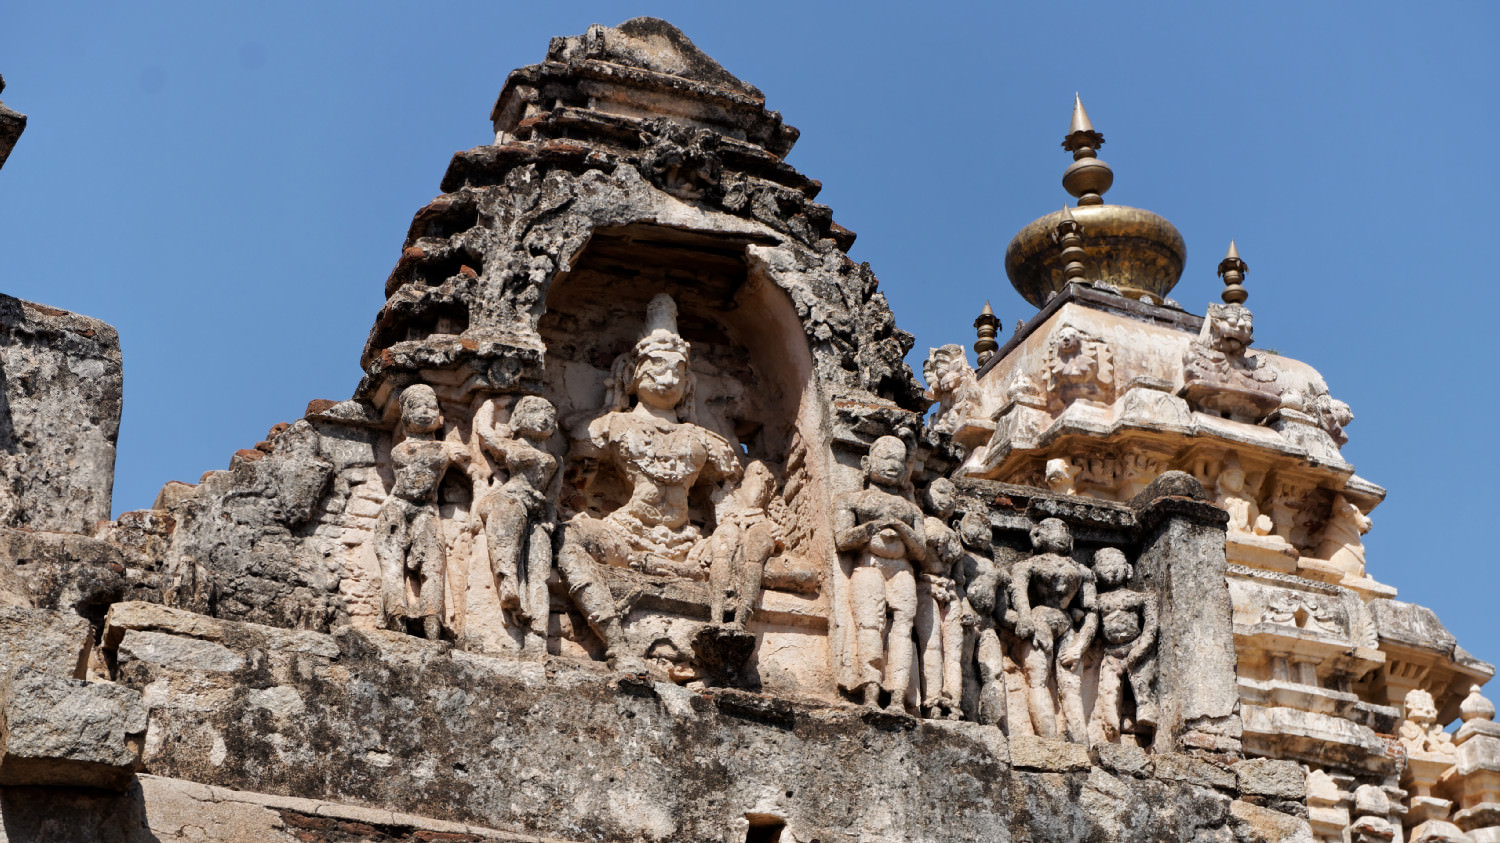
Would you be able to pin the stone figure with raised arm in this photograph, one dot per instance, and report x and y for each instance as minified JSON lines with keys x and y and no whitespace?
{"x":1128,"y":623}
{"x":940,"y":607}
{"x":408,"y":538}
{"x":884,"y":532}
{"x":646,"y":435}
{"x":519,"y":515}
{"x":1053,"y":597}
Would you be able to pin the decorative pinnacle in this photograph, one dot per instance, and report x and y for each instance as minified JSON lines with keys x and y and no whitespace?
{"x":1067,"y":234}
{"x":1233,"y":270}
{"x":1087,"y":177}
{"x":985,"y":326}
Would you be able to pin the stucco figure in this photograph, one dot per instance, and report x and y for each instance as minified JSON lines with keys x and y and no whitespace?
{"x":1128,"y":623}
{"x":1054,"y":597}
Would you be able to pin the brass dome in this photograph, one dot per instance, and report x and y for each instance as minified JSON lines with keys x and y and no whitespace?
{"x":1134,"y":250}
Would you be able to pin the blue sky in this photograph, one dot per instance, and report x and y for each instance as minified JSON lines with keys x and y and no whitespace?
{"x":230,"y":185}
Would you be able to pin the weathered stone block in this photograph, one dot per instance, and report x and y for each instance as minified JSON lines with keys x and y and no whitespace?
{"x":1268,"y":777}
{"x":58,"y":731}
{"x":61,"y":387}
{"x":51,"y":642}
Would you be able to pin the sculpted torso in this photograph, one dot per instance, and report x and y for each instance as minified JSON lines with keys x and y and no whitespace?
{"x":1054,"y":581}
{"x":876,"y":506}
{"x":662,"y":461}
{"x":419,"y":465}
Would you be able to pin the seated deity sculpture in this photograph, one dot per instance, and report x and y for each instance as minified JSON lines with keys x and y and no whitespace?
{"x":1054,"y":600}
{"x":518,"y":514}
{"x":648,"y":437}
{"x":884,"y":532}
{"x":408,"y":540}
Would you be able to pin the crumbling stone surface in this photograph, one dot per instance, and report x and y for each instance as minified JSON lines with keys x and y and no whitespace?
{"x":59,"y":571}
{"x":60,"y":731}
{"x":61,"y":387}
{"x":12,"y":124}
{"x":559,"y":748}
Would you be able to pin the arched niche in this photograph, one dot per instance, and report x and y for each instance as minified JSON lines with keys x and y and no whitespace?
{"x":750,"y":359}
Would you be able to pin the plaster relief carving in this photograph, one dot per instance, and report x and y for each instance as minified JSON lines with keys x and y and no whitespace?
{"x":518,"y":511}
{"x":951,"y":383}
{"x":409,"y":544}
{"x":884,"y":532}
{"x":745,"y":539}
{"x":1220,"y":374}
{"x":945,"y":622}
{"x":1238,"y":500}
{"x":654,"y":447}
{"x":1079,"y":365}
{"x":1420,"y":732}
{"x":1128,"y":625}
{"x":1340,"y":542}
{"x":1054,"y":597}
{"x":1062,"y":476}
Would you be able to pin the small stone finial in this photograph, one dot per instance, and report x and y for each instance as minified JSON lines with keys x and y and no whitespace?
{"x":1476,"y":707}
{"x":985,"y":327}
{"x":1233,"y":270}
{"x":1067,"y":234}
{"x":1087,"y":177}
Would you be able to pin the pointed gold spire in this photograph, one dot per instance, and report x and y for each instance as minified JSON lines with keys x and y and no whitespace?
{"x":985,"y":327}
{"x":1081,"y":118}
{"x":1233,"y":270}
{"x":1087,"y":177}
{"x":1068,"y":235}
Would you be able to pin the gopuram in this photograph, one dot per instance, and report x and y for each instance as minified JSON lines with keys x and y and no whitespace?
{"x":639,"y":528}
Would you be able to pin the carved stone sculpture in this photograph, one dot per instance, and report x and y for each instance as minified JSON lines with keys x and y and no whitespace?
{"x":951,"y":383}
{"x":519,"y":514}
{"x":1128,"y":625}
{"x":1079,"y":366}
{"x":1220,"y":376}
{"x":1372,"y":809}
{"x":940,"y":608}
{"x":885,"y":533}
{"x":1244,"y":515}
{"x":408,"y":540}
{"x":661,"y":454}
{"x":745,"y":538}
{"x":1420,"y":732}
{"x":1062,"y":476}
{"x":1341,"y":543}
{"x":1054,"y":597}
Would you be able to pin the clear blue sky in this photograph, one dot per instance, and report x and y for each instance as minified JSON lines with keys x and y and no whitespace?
{"x":229,"y":185}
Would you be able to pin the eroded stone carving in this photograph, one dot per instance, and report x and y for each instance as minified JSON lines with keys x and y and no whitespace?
{"x":943,"y":617}
{"x":951,"y":383}
{"x":1221,"y":376}
{"x":1420,"y":732}
{"x":885,"y":534}
{"x":1128,"y":624}
{"x":1079,"y":365}
{"x":1340,"y":542}
{"x":1054,"y":597}
{"x":1238,"y":501}
{"x":519,"y":514}
{"x":408,"y":537}
{"x":745,"y":538}
{"x":661,"y":453}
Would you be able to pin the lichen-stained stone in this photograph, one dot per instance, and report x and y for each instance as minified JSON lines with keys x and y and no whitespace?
{"x":52,"y":642}
{"x":61,"y":383}
{"x":571,"y":752}
{"x":60,"y":731}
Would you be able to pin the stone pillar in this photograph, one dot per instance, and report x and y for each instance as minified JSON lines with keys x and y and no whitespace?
{"x":1182,"y":558}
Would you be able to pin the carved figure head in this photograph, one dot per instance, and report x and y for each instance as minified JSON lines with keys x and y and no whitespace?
{"x":1231,"y":478}
{"x":1420,"y":708}
{"x":1052,"y":536}
{"x":757,"y":487}
{"x":419,"y":409}
{"x":946,"y":369}
{"x":1111,"y":567}
{"x":941,"y":497}
{"x":886,"y":463}
{"x":1068,"y":340}
{"x":534,"y":417}
{"x":1229,"y":328}
{"x":655,"y":370}
{"x":1060,"y":474}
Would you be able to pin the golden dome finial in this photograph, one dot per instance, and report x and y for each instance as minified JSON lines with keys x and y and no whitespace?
{"x":1087,"y":177}
{"x":1233,"y":270}
{"x":1066,"y":235}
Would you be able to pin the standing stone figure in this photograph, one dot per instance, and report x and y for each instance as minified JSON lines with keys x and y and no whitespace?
{"x":519,"y":515}
{"x":884,"y":530}
{"x":743,"y":541}
{"x":1054,"y":600}
{"x":1128,"y":623}
{"x":408,"y":539}
{"x":939,"y":610}
{"x":655,"y":446}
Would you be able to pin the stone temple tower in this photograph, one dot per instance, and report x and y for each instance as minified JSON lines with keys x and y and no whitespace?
{"x":638,"y":527}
